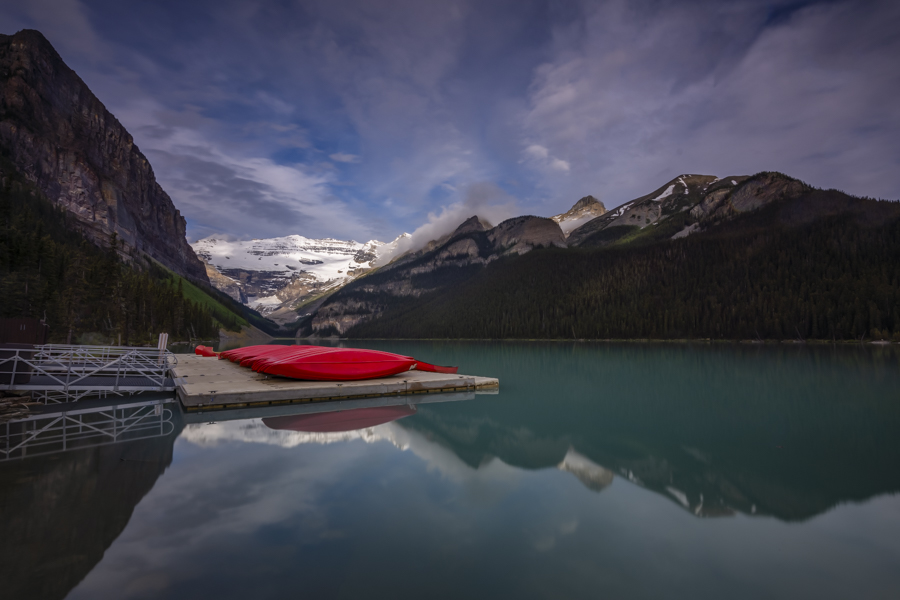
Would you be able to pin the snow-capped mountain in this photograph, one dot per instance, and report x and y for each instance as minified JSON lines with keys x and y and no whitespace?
{"x":275,"y":273}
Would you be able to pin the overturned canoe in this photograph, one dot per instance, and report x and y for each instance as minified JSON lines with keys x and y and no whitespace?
{"x":338,"y":364}
{"x":319,"y":363}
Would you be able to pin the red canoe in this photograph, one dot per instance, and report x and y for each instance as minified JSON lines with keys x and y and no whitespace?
{"x":319,"y":363}
{"x":345,"y":420}
{"x":339,"y":364}
{"x":239,"y":354}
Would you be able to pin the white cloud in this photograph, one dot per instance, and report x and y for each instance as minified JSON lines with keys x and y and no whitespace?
{"x":559,"y":165}
{"x":344,"y":158}
{"x":539,"y":156}
{"x":632,"y":109}
{"x":484,"y":200}
{"x":537,"y":151}
{"x":249,"y":196}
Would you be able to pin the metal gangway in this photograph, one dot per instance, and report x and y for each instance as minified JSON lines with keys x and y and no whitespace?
{"x":65,"y":373}
{"x":49,"y":433}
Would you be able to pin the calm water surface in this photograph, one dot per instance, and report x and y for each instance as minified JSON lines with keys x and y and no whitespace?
{"x":624,"y":471}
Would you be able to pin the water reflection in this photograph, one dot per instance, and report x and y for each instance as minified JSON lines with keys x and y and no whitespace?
{"x":707,"y":467}
{"x":787,"y":432}
{"x":340,"y":421}
{"x":588,"y":472}
{"x":62,"y":511}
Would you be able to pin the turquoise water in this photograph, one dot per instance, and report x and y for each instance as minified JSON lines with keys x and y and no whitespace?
{"x":625,"y":471}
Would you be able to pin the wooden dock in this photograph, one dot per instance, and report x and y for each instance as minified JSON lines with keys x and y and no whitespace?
{"x":207,"y":384}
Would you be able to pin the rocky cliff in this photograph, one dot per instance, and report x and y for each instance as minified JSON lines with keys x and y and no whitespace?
{"x":62,"y":138}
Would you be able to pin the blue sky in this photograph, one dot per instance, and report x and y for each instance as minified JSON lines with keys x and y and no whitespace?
{"x":364,"y":119}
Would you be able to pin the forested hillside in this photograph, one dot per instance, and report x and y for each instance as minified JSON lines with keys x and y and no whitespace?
{"x":50,"y":270}
{"x":834,"y":278}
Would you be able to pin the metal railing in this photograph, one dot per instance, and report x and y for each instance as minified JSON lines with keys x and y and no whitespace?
{"x":50,"y":433}
{"x":74,"y":371}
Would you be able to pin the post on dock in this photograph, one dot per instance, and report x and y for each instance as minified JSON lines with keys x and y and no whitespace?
{"x":161,"y":346}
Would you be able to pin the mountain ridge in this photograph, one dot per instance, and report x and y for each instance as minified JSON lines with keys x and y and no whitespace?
{"x":767,"y":210}
{"x":418,"y":272}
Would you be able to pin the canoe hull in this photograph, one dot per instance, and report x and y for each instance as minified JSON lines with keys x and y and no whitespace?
{"x":318,"y":363}
{"x":342,"y":365}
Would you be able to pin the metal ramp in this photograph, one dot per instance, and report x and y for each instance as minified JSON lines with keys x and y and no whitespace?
{"x":61,"y":373}
{"x":49,"y":433}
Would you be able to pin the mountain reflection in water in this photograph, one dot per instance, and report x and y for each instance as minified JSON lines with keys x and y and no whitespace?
{"x":539,"y":491}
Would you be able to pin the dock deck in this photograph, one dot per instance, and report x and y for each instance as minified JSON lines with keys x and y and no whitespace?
{"x":206,"y":383}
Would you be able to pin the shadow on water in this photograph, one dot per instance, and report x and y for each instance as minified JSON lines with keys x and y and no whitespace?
{"x":62,"y":510}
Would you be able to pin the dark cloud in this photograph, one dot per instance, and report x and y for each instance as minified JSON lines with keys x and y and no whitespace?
{"x":360,"y":118}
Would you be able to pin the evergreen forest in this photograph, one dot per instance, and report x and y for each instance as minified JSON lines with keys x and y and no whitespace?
{"x":48,"y":270}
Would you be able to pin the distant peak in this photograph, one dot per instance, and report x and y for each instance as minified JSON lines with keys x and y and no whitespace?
{"x":584,"y":210}
{"x":34,"y":39}
{"x":586,"y":202}
{"x":471,"y":224}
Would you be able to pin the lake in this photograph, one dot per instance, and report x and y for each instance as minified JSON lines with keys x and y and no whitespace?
{"x":598,"y":470}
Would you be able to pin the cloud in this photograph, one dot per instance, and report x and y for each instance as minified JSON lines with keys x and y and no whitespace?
{"x":245,"y":195}
{"x":559,"y":165}
{"x":252,"y":104}
{"x":483,"y":199}
{"x":536,"y":151}
{"x":344,"y":158}
{"x":539,"y":157}
{"x":741,"y":91}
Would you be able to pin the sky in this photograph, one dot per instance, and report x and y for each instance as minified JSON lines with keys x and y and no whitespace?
{"x":363,"y":119}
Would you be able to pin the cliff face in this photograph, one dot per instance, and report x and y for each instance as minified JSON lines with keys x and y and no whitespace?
{"x":61,"y":137}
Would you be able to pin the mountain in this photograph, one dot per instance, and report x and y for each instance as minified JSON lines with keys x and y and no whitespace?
{"x":60,"y":137}
{"x":441,"y":263}
{"x":751,"y":257}
{"x":275,"y":275}
{"x":686,"y":205}
{"x":586,"y":209}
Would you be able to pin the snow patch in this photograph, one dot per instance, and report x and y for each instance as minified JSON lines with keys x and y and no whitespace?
{"x":621,"y":210}
{"x":264,"y":304}
{"x":665,"y":194}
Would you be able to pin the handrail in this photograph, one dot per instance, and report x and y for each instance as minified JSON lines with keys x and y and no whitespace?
{"x":60,"y":367}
